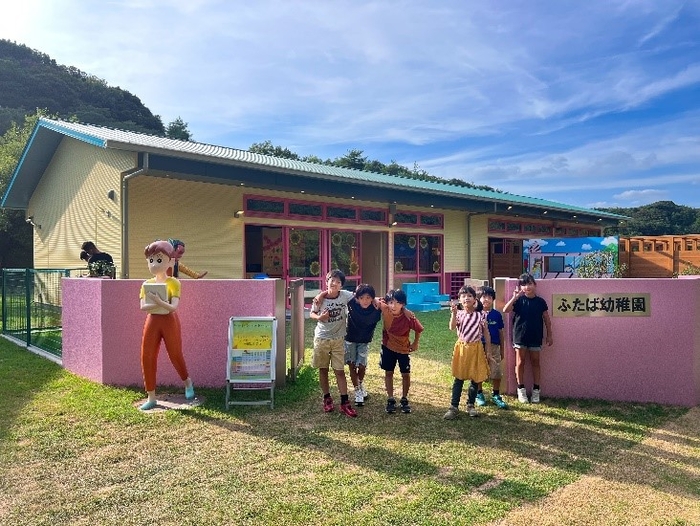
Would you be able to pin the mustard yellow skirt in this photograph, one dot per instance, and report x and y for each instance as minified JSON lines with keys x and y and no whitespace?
{"x":469,"y":362}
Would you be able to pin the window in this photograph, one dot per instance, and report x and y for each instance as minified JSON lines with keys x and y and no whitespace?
{"x":554,"y":264}
{"x":336,"y":212}
{"x":266,"y":206}
{"x":306,"y":209}
{"x":434,"y":220}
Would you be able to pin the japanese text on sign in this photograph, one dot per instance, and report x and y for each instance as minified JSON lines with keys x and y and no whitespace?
{"x":616,"y":304}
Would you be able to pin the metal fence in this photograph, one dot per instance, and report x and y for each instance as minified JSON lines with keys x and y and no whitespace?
{"x":32,"y":306}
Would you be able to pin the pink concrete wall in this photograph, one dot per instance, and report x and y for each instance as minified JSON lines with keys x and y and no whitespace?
{"x":102,"y":327}
{"x":639,"y":359}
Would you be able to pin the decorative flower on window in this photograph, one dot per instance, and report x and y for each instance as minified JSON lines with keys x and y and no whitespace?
{"x":436,"y":267}
{"x":398,"y":266}
{"x":411,"y":242}
{"x":336,"y":239}
{"x":350,"y":240}
{"x":295,"y":238}
{"x":315,"y":268}
{"x":354,"y":267}
{"x":423,"y":243}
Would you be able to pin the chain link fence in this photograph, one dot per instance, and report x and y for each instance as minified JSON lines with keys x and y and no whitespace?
{"x":32,"y":306}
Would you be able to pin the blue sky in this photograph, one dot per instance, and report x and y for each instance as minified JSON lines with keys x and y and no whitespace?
{"x":592,"y":104}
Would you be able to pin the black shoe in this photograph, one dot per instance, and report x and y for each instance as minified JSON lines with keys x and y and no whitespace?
{"x":405,"y":408}
{"x":391,"y":405}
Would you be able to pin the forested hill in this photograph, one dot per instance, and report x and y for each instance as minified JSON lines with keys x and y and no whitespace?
{"x":30,"y":80}
{"x":657,"y":219}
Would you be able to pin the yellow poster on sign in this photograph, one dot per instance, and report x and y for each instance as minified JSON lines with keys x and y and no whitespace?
{"x":251,"y":334}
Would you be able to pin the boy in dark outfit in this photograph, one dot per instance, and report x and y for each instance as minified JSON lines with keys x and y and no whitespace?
{"x":363,"y":316}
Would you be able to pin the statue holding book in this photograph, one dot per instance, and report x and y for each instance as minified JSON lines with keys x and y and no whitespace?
{"x":160,"y":297}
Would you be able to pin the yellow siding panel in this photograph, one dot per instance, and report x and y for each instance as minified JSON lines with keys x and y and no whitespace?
{"x":479,"y":250}
{"x":199,"y":214}
{"x":71,"y":204}
{"x":455,"y":242}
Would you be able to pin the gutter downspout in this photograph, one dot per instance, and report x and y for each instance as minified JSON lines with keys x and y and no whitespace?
{"x":125,"y":211}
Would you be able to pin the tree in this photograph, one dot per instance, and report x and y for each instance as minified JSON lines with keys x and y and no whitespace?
{"x":267,"y":148}
{"x":600,"y":264}
{"x":177,"y":129}
{"x":15,"y":233}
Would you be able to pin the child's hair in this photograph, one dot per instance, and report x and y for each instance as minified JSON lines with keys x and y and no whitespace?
{"x":364,"y":288}
{"x":488,"y":292}
{"x":336,"y":273}
{"x":397,"y":295}
{"x":84,"y":255}
{"x":526,"y":279}
{"x":179,"y":247}
{"x":479,"y":292}
{"x":466,"y":289}
{"x":88,"y":245}
{"x":159,"y":246}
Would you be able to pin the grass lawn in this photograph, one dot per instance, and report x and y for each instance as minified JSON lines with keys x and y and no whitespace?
{"x":75,"y":452}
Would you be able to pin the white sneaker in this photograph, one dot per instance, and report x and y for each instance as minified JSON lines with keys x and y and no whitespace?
{"x":471,"y":410}
{"x":359,"y":397}
{"x":363,"y":390}
{"x":535,"y":396}
{"x":522,"y":395}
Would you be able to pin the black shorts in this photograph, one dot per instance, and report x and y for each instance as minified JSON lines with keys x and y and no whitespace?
{"x":389,"y":358}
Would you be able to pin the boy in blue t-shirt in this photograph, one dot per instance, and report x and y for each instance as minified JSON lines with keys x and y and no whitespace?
{"x":494,"y":352}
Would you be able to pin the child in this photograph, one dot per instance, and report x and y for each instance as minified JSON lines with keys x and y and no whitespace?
{"x":330,"y":310}
{"x":363,"y":316}
{"x":529,"y":311}
{"x":495,"y":351}
{"x":397,"y":345}
{"x":161,"y":326}
{"x":468,"y":359}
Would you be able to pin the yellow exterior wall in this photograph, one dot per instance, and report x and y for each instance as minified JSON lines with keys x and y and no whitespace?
{"x":455,"y":242}
{"x":199,"y":214}
{"x":71,"y":204}
{"x":479,"y":249}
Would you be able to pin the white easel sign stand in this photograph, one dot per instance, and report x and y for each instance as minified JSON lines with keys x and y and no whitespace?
{"x":251,"y":358}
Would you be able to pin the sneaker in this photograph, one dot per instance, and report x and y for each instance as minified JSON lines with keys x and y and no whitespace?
{"x":452,"y":413}
{"x":472,"y":411}
{"x":405,"y":407}
{"x":500,"y":403}
{"x":391,"y":405}
{"x":522,"y":395}
{"x":535,"y":396}
{"x":348,"y":410}
{"x":365,"y":394}
{"x":359,"y":397}
{"x":480,"y":399}
{"x":328,"y":404}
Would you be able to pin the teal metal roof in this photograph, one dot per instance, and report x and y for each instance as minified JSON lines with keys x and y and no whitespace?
{"x":48,"y":133}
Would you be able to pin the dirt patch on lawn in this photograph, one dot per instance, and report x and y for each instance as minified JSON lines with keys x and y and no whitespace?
{"x":655,"y":482}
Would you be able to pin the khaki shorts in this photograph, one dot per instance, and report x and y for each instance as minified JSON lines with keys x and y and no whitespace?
{"x":329,"y":353}
{"x":494,"y":356}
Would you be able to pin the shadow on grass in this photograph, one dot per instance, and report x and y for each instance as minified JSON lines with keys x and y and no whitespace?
{"x":571,"y":437}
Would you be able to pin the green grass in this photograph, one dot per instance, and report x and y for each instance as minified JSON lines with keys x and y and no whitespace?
{"x":75,"y":452}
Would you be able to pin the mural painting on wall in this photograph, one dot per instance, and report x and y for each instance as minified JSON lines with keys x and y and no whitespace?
{"x":548,"y":258}
{"x":272,"y":251}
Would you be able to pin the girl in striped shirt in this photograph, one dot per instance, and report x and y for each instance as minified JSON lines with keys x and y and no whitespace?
{"x":469,"y":360}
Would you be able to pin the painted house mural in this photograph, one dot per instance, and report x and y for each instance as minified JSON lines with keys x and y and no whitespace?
{"x":550,"y":258}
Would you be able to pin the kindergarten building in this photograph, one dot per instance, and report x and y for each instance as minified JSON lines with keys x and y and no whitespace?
{"x":243,"y":214}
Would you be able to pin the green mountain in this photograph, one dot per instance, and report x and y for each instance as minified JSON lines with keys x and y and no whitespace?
{"x":30,"y":80}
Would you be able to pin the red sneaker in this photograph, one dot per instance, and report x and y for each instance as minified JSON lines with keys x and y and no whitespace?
{"x":347,"y":409}
{"x":328,"y":404}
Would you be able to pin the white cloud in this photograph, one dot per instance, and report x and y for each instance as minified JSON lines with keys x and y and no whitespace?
{"x":560,"y":244}
{"x":610,"y":240}
{"x":586,"y":246}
